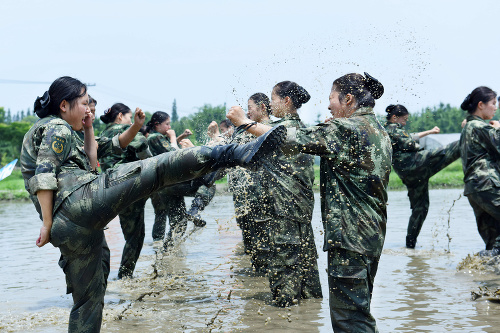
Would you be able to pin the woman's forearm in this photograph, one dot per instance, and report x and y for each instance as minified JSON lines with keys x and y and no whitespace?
{"x":90,"y":146}
{"x":128,"y":135}
{"x":46,"y":200}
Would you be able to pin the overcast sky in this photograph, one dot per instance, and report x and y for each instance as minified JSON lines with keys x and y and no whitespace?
{"x":148,"y":53}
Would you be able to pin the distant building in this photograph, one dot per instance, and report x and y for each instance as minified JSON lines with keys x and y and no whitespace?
{"x":433,"y":141}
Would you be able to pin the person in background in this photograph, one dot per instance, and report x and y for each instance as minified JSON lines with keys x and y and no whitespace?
{"x":288,"y":179}
{"x":415,"y":166}
{"x":355,"y":165}
{"x":480,"y":152}
{"x":118,"y":119}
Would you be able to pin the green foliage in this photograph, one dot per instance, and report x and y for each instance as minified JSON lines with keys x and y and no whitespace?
{"x":448,"y":119}
{"x":2,"y":115}
{"x":11,"y":139}
{"x":198,"y":122}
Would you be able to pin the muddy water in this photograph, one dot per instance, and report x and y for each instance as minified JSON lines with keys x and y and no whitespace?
{"x":205,"y":284}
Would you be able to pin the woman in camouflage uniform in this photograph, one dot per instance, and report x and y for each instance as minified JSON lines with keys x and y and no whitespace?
{"x":288,"y":181}
{"x":480,"y":150}
{"x":118,"y":119}
{"x":355,"y":156}
{"x":415,"y":166}
{"x":75,"y":202}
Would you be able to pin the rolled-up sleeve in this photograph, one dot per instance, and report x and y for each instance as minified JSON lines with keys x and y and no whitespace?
{"x":54,"y":148}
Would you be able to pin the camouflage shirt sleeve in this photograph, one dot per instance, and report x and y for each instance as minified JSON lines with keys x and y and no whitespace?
{"x":107,"y":146}
{"x":53,"y":149}
{"x":401,"y":140}
{"x":158,"y":144}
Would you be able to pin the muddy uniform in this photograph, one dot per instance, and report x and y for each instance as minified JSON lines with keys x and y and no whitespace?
{"x":480,"y":151}
{"x":85,"y":202}
{"x":355,"y":166}
{"x":415,"y":166}
{"x":251,"y":205}
{"x":132,"y":217}
{"x":170,"y":201}
{"x":292,"y":267}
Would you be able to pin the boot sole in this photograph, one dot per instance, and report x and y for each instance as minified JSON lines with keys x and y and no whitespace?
{"x":266,"y":144}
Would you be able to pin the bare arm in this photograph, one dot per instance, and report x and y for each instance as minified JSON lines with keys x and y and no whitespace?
{"x":238,"y":117}
{"x":46,"y":200}
{"x":435,"y":130}
{"x":90,"y":144}
{"x":126,"y":137}
{"x":184,"y":135}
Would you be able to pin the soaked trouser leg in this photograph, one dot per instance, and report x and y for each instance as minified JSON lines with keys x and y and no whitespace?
{"x":106,"y":260}
{"x":160,"y":208}
{"x":290,"y":277}
{"x":350,"y":279}
{"x":176,"y":212}
{"x":260,"y":251}
{"x":78,"y":223}
{"x":418,"y":193}
{"x":243,"y":222}
{"x":486,"y":206}
{"x":133,"y":228}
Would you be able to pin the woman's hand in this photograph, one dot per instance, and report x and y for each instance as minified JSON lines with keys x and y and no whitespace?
{"x":139,"y":117}
{"x":213,"y":130}
{"x":464,"y":122}
{"x":237,"y":116}
{"x":435,"y":130}
{"x":495,"y":123}
{"x":89,"y":119}
{"x":187,"y":132}
{"x":44,"y":237}
{"x":186,"y":143}
{"x":171,"y":134}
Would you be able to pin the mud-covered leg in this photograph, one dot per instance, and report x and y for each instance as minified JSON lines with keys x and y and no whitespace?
{"x":176,"y":211}
{"x":201,"y":199}
{"x":260,"y":251}
{"x":311,"y":287}
{"x":350,"y":280}
{"x":418,"y":193}
{"x":160,"y":209}
{"x":133,"y":228}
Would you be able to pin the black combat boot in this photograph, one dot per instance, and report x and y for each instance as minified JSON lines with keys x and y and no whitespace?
{"x":248,"y":155}
{"x":411,"y":242}
{"x":193,"y":214}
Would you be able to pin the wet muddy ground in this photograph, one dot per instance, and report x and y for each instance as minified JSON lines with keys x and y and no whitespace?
{"x":206,"y":284}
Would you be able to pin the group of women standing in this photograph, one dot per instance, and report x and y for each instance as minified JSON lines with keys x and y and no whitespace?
{"x":75,"y":203}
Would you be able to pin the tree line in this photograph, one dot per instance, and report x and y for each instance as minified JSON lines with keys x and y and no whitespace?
{"x":14,"y":126}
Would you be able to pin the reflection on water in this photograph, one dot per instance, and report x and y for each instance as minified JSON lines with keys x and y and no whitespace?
{"x":205,"y":284}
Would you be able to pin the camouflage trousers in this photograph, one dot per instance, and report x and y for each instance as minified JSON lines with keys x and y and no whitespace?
{"x":133,"y":228}
{"x":427,"y":163}
{"x":293,"y":266}
{"x":486,"y":206}
{"x":170,"y":203}
{"x":350,"y":279}
{"x":77,"y":228}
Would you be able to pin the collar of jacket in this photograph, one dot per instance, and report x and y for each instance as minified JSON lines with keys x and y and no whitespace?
{"x":473,"y":117}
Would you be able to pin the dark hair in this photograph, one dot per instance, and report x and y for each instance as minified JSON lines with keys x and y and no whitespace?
{"x":64,"y":88}
{"x":143,"y":130}
{"x":397,"y":110}
{"x":226,"y":122}
{"x":291,"y":89}
{"x":366,"y":89}
{"x":92,"y":100}
{"x":110,"y":114}
{"x":480,"y":94}
{"x":262,"y":99}
{"x":157,"y":118}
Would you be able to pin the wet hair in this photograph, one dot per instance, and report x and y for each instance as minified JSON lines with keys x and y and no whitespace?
{"x":226,"y":122}
{"x":110,"y":114}
{"x":365,"y":89}
{"x":156,"y":119}
{"x":64,"y":88}
{"x":143,"y":130}
{"x":297,"y":94}
{"x":480,"y":94}
{"x":92,"y":100}
{"x":397,"y":110}
{"x":262,"y":99}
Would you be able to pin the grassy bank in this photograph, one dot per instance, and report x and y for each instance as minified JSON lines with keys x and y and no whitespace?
{"x":12,"y":187}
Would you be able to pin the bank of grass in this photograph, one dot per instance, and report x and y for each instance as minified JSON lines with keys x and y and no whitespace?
{"x":12,"y":187}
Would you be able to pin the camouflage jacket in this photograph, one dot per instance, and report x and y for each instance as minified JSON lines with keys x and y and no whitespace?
{"x":136,"y":150}
{"x":480,"y":151}
{"x":355,"y":166}
{"x":159,"y":144}
{"x":404,"y":147}
{"x":248,"y":194}
{"x":289,"y":179}
{"x":53,"y":159}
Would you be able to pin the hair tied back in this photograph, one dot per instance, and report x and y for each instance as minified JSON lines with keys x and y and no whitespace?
{"x":41,"y":107}
{"x":374,"y":86}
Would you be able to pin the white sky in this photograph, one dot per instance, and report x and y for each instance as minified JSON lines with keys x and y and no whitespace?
{"x":146,"y":53}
